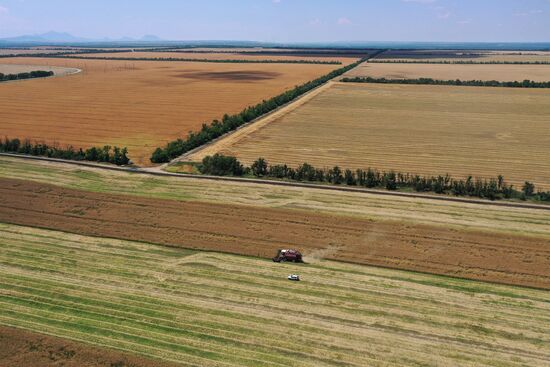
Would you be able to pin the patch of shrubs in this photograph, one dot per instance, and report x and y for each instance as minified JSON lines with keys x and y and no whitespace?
{"x":471,"y":83}
{"x":29,"y":75}
{"x":106,"y":154}
{"x":492,"y":189}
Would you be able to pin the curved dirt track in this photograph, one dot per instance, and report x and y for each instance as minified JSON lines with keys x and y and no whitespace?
{"x":20,"y":348}
{"x":487,"y":256}
{"x":157,"y":171}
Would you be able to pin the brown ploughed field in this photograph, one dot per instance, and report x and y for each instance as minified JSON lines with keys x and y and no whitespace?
{"x":475,"y":254}
{"x":503,"y":73}
{"x":140,"y":105}
{"x":21,"y":348}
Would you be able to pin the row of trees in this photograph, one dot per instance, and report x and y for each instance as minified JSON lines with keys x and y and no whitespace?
{"x":492,"y":189}
{"x":229,"y":123}
{"x":29,"y":75}
{"x":430,"y":81}
{"x":107,"y":154}
{"x":461,"y":62}
{"x":228,"y":61}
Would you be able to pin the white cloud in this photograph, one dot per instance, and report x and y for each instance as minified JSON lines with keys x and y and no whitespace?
{"x":344,"y":21}
{"x":527,"y":13}
{"x":444,"y":15}
{"x":315,"y":21}
{"x":466,"y":21}
{"x":3,"y":10}
{"x":419,"y":1}
{"x":276,"y":1}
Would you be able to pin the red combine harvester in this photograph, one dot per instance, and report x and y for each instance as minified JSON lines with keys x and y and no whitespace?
{"x":288,"y":255}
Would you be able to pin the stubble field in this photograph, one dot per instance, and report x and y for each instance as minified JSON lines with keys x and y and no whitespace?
{"x":503,"y":73}
{"x":210,"y":309}
{"x":428,"y":130}
{"x":141,"y":105}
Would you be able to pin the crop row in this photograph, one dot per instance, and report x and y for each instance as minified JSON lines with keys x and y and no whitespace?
{"x":212,"y":309}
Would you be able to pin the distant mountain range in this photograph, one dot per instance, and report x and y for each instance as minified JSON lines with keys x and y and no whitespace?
{"x":64,"y":37}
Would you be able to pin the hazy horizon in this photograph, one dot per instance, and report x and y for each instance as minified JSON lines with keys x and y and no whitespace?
{"x":285,"y":21}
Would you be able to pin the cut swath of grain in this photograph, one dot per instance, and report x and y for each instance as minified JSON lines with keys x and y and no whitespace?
{"x":140,"y":105}
{"x":427,"y":130}
{"x":210,"y":309}
{"x":502,"y":73}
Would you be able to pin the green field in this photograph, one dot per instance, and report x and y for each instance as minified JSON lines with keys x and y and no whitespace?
{"x":210,"y":309}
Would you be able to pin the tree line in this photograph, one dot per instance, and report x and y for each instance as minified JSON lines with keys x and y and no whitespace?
{"x":460,"y":62}
{"x":492,"y":189}
{"x":228,"y":61}
{"x":26,"y":75}
{"x":429,"y":81}
{"x":106,"y":154}
{"x":229,"y":123}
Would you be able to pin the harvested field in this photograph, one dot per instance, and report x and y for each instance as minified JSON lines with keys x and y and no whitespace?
{"x":345,"y":60}
{"x":475,"y":56}
{"x":209,"y":309}
{"x":502,"y":73}
{"x":21,"y":348}
{"x":428,"y":130}
{"x":257,"y":231}
{"x":140,"y":105}
{"x":16,"y":69}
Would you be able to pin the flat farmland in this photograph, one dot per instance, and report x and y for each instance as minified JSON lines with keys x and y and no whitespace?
{"x":503,"y":73}
{"x":345,"y":60}
{"x":427,"y":130}
{"x":457,"y":56}
{"x":141,"y":105}
{"x":210,"y":309}
{"x":491,"y":243}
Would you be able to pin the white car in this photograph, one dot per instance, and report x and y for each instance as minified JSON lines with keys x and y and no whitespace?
{"x":294,"y":277}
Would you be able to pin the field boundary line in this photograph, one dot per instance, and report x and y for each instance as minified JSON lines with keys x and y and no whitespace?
{"x":258,"y":181}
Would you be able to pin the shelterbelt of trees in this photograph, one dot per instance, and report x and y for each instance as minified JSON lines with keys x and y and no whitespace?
{"x":492,"y":189}
{"x":458,"y":82}
{"x":461,"y":62}
{"x":106,"y":154}
{"x":229,"y":123}
{"x":228,"y":61}
{"x":26,"y":75}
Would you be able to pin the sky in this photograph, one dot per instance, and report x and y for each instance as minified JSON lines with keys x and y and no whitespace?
{"x":284,"y":20}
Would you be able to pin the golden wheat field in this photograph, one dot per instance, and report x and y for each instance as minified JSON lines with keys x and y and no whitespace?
{"x":226,"y":56}
{"x":141,"y":105}
{"x":504,"y":73}
{"x":428,"y":130}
